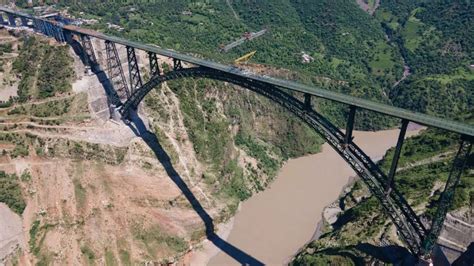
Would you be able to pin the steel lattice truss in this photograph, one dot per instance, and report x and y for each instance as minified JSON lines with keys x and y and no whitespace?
{"x":447,"y":196}
{"x":115,"y":71}
{"x":133,"y":70}
{"x":154,"y":64}
{"x":88,"y":50}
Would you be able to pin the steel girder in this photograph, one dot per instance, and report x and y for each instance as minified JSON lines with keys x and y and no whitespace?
{"x":24,"y":21}
{"x":115,"y":71}
{"x":154,"y":64}
{"x":133,"y":70}
{"x":460,"y":161}
{"x":11,"y":20}
{"x":89,"y":54}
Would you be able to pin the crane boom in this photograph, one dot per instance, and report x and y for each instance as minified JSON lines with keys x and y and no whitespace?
{"x":244,"y":58}
{"x":248,"y":36}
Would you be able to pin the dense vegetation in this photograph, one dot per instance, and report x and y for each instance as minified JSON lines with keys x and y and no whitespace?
{"x":210,"y":124}
{"x":10,"y":192}
{"x":436,"y":39}
{"x":348,"y":48}
{"x":51,"y":73}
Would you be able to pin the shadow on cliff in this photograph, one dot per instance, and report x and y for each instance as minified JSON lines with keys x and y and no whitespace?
{"x":139,"y":128}
{"x":390,"y":254}
{"x":95,"y":68}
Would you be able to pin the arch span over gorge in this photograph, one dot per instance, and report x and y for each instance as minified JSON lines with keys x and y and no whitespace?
{"x":408,"y":224}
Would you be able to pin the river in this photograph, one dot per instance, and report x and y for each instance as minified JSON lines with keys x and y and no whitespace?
{"x":273,"y":225}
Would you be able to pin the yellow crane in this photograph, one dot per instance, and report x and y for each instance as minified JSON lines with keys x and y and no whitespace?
{"x":245,"y":58}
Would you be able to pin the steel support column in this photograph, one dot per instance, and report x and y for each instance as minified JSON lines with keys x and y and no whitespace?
{"x":44,"y":27}
{"x":24,"y":22}
{"x":35,"y":25}
{"x":68,"y":36}
{"x":59,"y":34}
{"x":307,"y":102}
{"x":39,"y":27}
{"x":115,"y":71}
{"x":49,"y":29}
{"x":11,"y":20}
{"x":133,"y":70}
{"x":396,"y":156}
{"x":56,"y":34}
{"x":89,"y":54}
{"x":350,"y":124}
{"x":462,"y":158}
{"x":177,"y":64}
{"x":154,"y":64}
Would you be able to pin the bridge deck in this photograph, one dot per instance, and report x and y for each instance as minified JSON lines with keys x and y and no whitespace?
{"x":420,"y":118}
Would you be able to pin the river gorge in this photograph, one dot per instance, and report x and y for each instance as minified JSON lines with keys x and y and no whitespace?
{"x":273,"y":225}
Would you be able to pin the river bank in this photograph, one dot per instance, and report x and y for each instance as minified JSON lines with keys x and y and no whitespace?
{"x":11,"y":232}
{"x":271,"y":226}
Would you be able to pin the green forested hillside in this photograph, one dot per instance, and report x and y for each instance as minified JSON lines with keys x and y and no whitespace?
{"x":436,"y":38}
{"x":51,"y":75}
{"x":349,"y":49}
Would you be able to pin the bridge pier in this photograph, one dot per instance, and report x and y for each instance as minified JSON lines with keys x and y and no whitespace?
{"x":24,"y":21}
{"x":177,"y":65}
{"x":462,"y":158}
{"x":37,"y":25}
{"x":60,"y":34}
{"x":396,"y":156}
{"x":68,"y":36}
{"x":154,"y":64}
{"x":307,"y":102}
{"x":350,"y":125}
{"x":115,"y":71}
{"x":11,"y":20}
{"x":133,"y":70}
{"x":89,"y":54}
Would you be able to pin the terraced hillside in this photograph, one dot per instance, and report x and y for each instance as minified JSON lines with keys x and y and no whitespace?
{"x":88,"y":189}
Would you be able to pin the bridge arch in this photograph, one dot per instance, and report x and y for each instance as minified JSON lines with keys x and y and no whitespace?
{"x":395,"y":206}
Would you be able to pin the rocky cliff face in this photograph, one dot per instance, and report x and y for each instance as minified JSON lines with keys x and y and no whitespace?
{"x":98,"y":191}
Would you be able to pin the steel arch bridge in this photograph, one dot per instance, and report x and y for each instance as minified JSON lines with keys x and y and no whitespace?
{"x":411,"y":229}
{"x":418,"y":238}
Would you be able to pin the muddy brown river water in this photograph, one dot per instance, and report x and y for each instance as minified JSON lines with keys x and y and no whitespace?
{"x":273,"y":225}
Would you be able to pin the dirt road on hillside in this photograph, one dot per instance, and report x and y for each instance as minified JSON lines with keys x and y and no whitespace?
{"x":367,"y":8}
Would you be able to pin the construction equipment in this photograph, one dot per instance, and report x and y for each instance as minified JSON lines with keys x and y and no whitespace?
{"x":245,"y":58}
{"x":247,"y":36}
